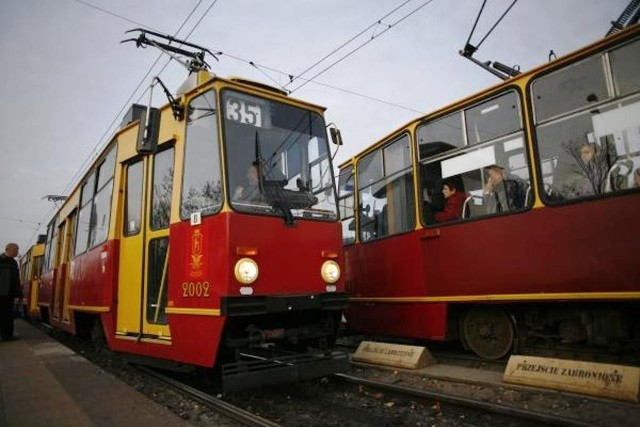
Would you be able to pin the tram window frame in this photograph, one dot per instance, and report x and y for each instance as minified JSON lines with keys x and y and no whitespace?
{"x":96,"y":201}
{"x":468,"y":166}
{"x":51,"y":244}
{"x":591,"y":152}
{"x":393,"y":217}
{"x":157,"y":289}
{"x":346,"y":204}
{"x":626,"y":78}
{"x":133,"y":228}
{"x":160,"y":223}
{"x":437,"y":142}
{"x":211,"y":192}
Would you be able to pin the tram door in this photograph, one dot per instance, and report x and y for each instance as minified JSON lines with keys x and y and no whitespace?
{"x":144,"y":247}
{"x":63,"y":260}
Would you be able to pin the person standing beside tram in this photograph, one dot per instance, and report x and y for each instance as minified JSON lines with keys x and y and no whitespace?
{"x":9,"y":290}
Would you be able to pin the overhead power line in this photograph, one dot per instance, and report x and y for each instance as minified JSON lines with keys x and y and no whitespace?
{"x":389,"y":27}
{"x":376,"y":22}
{"x":94,"y":151}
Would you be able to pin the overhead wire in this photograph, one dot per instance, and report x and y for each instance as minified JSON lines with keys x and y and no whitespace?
{"x":258,"y":66}
{"x":376,"y":22}
{"x":389,"y":27}
{"x":126,"y":104}
{"x":92,"y":153}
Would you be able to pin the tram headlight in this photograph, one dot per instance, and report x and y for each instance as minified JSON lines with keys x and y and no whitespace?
{"x":330,"y":271}
{"x":246,"y":271}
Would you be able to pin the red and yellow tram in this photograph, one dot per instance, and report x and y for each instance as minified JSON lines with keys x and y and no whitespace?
{"x":544,"y":243}
{"x":206,"y":233}
{"x":30,"y":272}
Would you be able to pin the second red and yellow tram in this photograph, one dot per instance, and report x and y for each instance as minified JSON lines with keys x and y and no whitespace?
{"x":543,"y":244}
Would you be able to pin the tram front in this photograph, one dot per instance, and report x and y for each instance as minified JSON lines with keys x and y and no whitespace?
{"x":275,"y":240}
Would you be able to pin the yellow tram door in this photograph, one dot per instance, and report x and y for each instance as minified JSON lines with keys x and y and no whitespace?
{"x":144,"y":247}
{"x":63,"y":260}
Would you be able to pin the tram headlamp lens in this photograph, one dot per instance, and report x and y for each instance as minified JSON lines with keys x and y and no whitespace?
{"x":246,"y":271}
{"x":330,"y":271}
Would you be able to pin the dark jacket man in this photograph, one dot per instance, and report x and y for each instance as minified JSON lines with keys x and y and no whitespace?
{"x":9,"y":290}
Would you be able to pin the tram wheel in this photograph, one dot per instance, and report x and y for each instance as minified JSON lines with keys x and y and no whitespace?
{"x":488,"y":331}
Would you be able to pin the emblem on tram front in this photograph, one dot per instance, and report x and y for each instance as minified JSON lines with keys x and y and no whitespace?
{"x":196,"y":256}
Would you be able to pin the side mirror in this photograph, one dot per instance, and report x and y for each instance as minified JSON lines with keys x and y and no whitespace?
{"x":148,"y":131}
{"x":336,"y":138}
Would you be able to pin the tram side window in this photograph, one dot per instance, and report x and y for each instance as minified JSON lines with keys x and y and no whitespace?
{"x":133,"y":204}
{"x":37,"y":267}
{"x":52,"y":245}
{"x":385,"y":191}
{"x":493,"y":119}
{"x":162,"y":188}
{"x":202,"y":178}
{"x":95,"y":205}
{"x":346,"y":205}
{"x":596,"y":149}
{"x":84,"y":218}
{"x":158,"y":278}
{"x":47,"y":250}
{"x":441,"y":135}
{"x":489,"y":175}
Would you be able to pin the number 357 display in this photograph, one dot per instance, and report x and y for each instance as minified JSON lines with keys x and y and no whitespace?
{"x":245,"y":111}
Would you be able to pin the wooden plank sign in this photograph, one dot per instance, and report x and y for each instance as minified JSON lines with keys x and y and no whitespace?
{"x":401,"y":356}
{"x":598,"y":379}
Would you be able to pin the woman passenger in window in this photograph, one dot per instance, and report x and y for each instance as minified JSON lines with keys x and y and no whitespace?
{"x":454,"y":201}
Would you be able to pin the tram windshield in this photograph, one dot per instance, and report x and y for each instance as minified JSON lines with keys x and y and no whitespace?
{"x":278,"y":159}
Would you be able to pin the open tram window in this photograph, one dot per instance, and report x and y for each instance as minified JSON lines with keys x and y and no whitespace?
{"x":277,"y":158}
{"x":488,"y":175}
{"x":593,"y":150}
{"x":385,"y":191}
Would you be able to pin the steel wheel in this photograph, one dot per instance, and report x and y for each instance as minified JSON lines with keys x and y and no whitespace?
{"x":488,"y":331}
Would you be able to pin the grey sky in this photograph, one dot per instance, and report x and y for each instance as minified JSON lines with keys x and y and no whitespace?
{"x":65,"y":76}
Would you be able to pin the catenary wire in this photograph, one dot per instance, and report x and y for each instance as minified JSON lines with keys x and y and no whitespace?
{"x":376,"y":22}
{"x":126,"y":104}
{"x":390,"y":26}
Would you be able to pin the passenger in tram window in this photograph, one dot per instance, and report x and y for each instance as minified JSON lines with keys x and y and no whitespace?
{"x":584,"y":185}
{"x":502,"y":192}
{"x":251,"y":190}
{"x":454,"y":201}
{"x":636,"y":178}
{"x":589,"y":175}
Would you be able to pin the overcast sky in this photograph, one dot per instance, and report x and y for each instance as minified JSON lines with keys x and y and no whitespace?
{"x":65,"y":77}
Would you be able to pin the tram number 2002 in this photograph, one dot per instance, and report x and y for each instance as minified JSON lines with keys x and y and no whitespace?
{"x":195,"y":289}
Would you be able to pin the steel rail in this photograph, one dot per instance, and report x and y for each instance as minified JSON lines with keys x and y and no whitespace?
{"x":462,"y":401}
{"x":231,"y":411}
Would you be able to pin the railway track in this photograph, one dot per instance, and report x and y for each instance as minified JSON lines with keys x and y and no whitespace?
{"x":369,"y":397}
{"x":493,"y":408}
{"x":233,"y":412}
